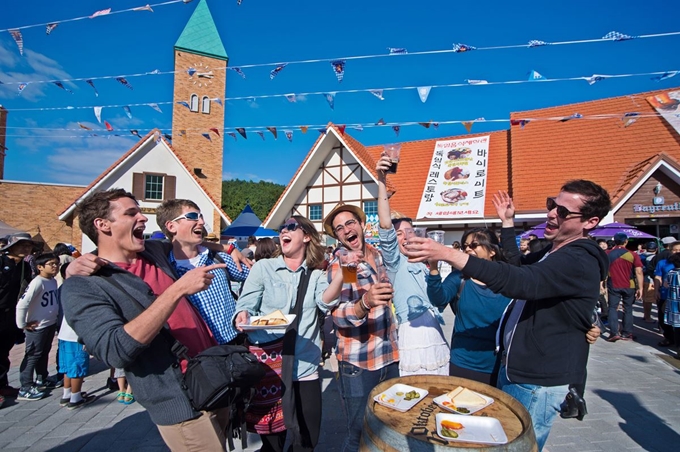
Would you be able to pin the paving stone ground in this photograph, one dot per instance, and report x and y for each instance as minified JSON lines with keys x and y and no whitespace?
{"x":633,"y":396}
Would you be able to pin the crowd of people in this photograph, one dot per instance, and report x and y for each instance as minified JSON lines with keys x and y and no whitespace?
{"x":525,"y":313}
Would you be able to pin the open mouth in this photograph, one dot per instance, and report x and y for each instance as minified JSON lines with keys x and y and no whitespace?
{"x":286,"y":239}
{"x":138,"y":232}
{"x":352,"y":239}
{"x":551,"y":227}
{"x":198,"y":232}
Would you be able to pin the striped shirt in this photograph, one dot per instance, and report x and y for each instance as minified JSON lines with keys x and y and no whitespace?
{"x":215,"y":304}
{"x":369,"y":343}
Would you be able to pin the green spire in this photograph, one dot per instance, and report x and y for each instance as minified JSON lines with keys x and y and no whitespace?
{"x":200,"y":35}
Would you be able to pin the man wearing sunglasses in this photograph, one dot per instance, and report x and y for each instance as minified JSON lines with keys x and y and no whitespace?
{"x":367,"y":343}
{"x":543,"y":332}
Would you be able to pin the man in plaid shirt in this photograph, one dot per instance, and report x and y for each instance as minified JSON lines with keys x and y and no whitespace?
{"x":367,"y":341}
{"x":182,"y":222}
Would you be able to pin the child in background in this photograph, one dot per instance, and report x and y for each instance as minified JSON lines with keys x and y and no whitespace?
{"x":36,"y":314}
{"x":125,"y":390}
{"x":74,"y":362}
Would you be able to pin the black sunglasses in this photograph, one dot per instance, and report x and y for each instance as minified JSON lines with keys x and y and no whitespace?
{"x":473,"y":246}
{"x":291,"y":227}
{"x":562,"y":212}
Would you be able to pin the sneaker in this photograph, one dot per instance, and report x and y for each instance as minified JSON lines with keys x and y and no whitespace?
{"x":9,"y":391}
{"x":64,"y":401}
{"x":112,"y":384}
{"x":30,"y":394}
{"x":628,"y":337}
{"x":87,"y":399}
{"x":614,"y":338}
{"x":56,"y":380}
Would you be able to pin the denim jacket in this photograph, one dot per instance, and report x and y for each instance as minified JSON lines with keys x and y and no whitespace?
{"x":408,"y":279}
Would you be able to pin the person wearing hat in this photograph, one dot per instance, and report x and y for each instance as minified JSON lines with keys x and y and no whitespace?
{"x":622,"y":288}
{"x":15,"y":274}
{"x":366,"y":335}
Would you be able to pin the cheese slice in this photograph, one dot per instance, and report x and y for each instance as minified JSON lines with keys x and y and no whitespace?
{"x":464,"y":397}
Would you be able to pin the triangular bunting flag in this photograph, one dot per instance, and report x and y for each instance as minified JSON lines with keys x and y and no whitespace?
{"x":339,"y":69}
{"x":426,"y":124}
{"x":377,"y":93}
{"x":381,"y":122}
{"x":665,"y":76}
{"x":108,"y":126}
{"x":397,"y":50}
{"x":238,"y":71}
{"x":102,"y":12}
{"x":91,"y":83}
{"x":61,"y":85}
{"x":276,"y":70}
{"x":98,"y":113}
{"x":424,"y":92}
{"x":460,"y":48}
{"x":155,"y":72}
{"x":359,"y":127}
{"x":519,"y":122}
{"x":629,"y":118}
{"x":128,"y":112}
{"x":594,"y":79}
{"x":341,"y":129}
{"x":207,"y":136}
{"x":16,"y":34}
{"x":191,"y":71}
{"x":135,"y":132}
{"x":273,"y":131}
{"x":396,"y":129}
{"x":83,"y":126}
{"x":476,"y":82}
{"x":261,"y":134}
{"x":167,"y":136}
{"x":143,"y":8}
{"x":233,"y":135}
{"x":124,"y":82}
{"x":468,"y":125}
{"x":535,"y":76}
{"x":289,"y":135}
{"x":534,"y":43}
{"x":50,"y":28}
{"x":304,"y":129}
{"x":157,"y":136}
{"x":323,"y":131}
{"x":184,"y":104}
{"x":21,"y":88}
{"x":616,"y":36}
{"x":242,"y":131}
{"x":156,"y":107}
{"x":291,"y":97}
{"x":218,"y":101}
{"x":330,"y":98}
{"x":435,"y":125}
{"x":574,"y":116}
{"x":216,"y":130}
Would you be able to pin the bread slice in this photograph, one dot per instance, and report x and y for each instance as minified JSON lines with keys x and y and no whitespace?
{"x":464,"y":397}
{"x":274,"y":318}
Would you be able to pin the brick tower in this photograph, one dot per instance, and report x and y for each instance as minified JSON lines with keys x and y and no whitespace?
{"x":3,"y":148}
{"x":200,"y":78}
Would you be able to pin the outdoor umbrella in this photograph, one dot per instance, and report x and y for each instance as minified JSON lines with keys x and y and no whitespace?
{"x":537,"y":230}
{"x":608,"y":231}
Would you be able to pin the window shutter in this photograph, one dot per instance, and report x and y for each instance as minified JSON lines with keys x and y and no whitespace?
{"x":169,"y":183}
{"x":138,"y":185}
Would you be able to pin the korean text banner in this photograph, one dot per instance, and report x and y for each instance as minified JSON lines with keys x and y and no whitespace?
{"x":456,"y":182}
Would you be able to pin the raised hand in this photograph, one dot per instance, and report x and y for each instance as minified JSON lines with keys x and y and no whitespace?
{"x":197,"y":279}
{"x":505,"y":208}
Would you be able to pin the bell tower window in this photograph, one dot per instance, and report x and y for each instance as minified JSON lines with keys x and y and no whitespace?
{"x":193,"y":105}
{"x":205,"y":107}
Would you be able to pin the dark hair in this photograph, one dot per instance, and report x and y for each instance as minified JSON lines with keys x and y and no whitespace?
{"x":537,"y":245}
{"x":601,"y":241}
{"x":265,"y":249}
{"x":670,"y":247}
{"x":252,"y":240}
{"x":456,"y":245}
{"x":171,"y":209}
{"x":597,"y":202}
{"x":488,"y":239}
{"x":98,"y":205}
{"x":610,"y":244}
{"x":44,"y":258}
{"x":396,"y":221}
{"x":61,"y":249}
{"x":674,"y":259}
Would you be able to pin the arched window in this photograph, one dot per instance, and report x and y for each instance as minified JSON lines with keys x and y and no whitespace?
{"x":193,"y":105}
{"x":205,"y":108}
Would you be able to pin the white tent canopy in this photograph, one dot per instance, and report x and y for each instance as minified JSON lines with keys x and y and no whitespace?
{"x":6,"y":229}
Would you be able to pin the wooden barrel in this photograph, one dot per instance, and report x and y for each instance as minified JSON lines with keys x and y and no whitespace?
{"x":386,"y":429}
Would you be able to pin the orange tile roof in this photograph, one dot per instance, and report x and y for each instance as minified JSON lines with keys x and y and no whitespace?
{"x":545,"y":154}
{"x":414,"y":164}
{"x":126,"y":155}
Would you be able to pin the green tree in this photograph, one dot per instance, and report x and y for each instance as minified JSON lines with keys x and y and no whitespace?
{"x":260,"y":195}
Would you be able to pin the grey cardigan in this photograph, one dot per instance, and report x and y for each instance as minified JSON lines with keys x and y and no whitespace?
{"x":97,"y":312}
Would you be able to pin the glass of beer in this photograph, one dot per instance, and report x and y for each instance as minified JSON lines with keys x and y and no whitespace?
{"x":349,"y":264}
{"x":437,"y":236}
{"x":392,"y":151}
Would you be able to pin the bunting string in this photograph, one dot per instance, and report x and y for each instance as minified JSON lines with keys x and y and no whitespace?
{"x":280,"y":65}
{"x":291,"y":97}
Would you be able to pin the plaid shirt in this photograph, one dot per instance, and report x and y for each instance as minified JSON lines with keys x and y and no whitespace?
{"x":216,"y":304}
{"x":369,"y":343}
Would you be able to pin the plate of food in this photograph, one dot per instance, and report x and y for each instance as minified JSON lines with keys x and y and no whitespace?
{"x":471,"y":429}
{"x":276,"y":320}
{"x":463,"y":401}
{"x":401,"y":397}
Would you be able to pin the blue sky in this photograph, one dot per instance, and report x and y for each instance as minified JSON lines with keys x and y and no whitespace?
{"x":265,"y":31}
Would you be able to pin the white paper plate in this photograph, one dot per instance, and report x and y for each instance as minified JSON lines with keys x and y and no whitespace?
{"x":473,"y":409}
{"x":391,"y":399}
{"x":476,"y":429}
{"x":250,"y":327}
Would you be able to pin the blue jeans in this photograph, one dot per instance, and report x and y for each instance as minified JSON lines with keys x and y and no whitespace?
{"x":542,"y":403}
{"x":355,"y":385}
{"x":627,"y":297}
